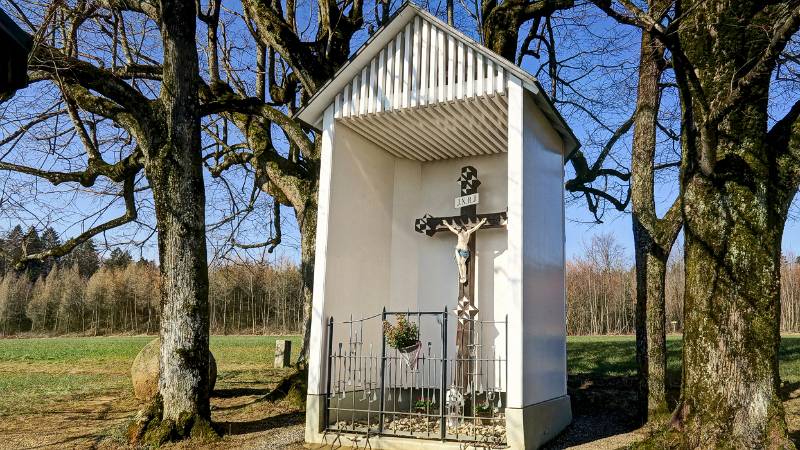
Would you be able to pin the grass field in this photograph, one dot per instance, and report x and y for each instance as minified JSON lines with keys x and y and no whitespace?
{"x":36,"y":373}
{"x":76,"y":392}
{"x":613,"y":356}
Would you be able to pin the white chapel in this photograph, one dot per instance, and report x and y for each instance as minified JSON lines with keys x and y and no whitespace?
{"x":439,"y":293}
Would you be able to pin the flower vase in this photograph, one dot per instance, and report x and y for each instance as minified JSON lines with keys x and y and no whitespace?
{"x":410,"y":354}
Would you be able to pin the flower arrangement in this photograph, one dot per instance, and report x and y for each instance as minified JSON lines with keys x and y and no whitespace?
{"x":422,"y":405}
{"x":401,"y":335}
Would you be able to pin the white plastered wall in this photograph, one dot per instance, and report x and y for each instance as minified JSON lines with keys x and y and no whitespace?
{"x":352,"y":272}
{"x":543,"y":258}
{"x":535,"y":260}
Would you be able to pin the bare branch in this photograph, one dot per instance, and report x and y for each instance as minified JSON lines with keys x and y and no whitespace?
{"x":61,"y":250}
{"x":96,"y":167}
{"x":273,"y":241}
{"x":254,"y":106}
{"x":71,"y":70}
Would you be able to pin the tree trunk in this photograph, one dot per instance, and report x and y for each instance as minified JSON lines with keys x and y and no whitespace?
{"x":653,"y":237}
{"x":735,"y":200}
{"x":307,"y":218}
{"x":174,"y":170}
{"x":732,"y":315}
{"x":651,"y":343}
{"x":178,"y":193}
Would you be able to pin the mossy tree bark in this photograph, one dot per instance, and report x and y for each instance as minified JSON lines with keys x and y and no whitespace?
{"x":735,"y":199}
{"x":737,"y":182}
{"x":735,"y":192}
{"x":308,"y":226}
{"x":174,"y":170}
{"x":653,"y":236}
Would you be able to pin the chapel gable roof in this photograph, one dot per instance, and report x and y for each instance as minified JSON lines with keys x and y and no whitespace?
{"x":414,"y":60}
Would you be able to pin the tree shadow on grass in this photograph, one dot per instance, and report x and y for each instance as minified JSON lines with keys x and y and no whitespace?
{"x":266,"y":423}
{"x":65,"y":443}
{"x":790,"y":394}
{"x":602,"y":387}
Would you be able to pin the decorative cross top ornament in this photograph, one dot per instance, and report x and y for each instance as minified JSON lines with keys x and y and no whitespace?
{"x":467,"y":202}
{"x":464,"y":226}
{"x":465,"y":311}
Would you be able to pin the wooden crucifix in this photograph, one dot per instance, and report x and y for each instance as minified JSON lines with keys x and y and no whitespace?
{"x":464,"y":226}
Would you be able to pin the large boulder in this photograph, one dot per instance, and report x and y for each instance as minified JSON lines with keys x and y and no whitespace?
{"x":144,"y":371}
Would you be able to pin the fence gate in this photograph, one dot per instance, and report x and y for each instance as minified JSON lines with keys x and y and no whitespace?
{"x":373,"y":389}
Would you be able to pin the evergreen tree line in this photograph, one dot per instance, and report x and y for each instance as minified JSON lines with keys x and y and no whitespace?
{"x":601,"y":293}
{"x":85,"y":294}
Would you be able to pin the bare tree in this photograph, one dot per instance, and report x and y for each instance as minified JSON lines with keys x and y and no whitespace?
{"x":162,"y":120}
{"x":653,"y":236}
{"x":289,"y":70}
{"x":599,"y":289}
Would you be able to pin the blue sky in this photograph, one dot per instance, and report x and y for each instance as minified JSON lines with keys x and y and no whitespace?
{"x":619,"y":225}
{"x":599,"y":61}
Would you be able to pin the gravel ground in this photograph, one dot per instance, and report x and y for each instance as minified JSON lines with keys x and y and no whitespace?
{"x":599,"y":432}
{"x":284,"y":438}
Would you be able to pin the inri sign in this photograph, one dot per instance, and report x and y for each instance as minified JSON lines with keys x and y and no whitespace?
{"x":467,"y":200}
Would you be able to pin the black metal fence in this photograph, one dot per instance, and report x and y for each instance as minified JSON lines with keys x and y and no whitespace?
{"x":373,"y":389}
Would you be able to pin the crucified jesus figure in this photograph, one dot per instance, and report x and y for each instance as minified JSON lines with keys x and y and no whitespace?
{"x":462,"y":247}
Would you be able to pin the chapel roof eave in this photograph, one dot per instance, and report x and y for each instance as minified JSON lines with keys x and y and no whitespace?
{"x":14,"y":60}
{"x":312,"y":112}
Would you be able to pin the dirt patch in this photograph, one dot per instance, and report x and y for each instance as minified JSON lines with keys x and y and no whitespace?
{"x":790,"y":392}
{"x":80,"y":423}
{"x":247,"y":421}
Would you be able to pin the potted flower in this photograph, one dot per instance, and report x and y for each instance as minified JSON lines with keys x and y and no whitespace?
{"x":403,"y":336}
{"x":483,"y":411}
{"x":422,"y":406}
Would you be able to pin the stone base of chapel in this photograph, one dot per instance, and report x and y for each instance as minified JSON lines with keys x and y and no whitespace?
{"x":526,"y":428}
{"x":532,"y":426}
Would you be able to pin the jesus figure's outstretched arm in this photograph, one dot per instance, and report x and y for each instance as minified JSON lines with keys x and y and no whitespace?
{"x":450,"y":227}
{"x":476,"y":227}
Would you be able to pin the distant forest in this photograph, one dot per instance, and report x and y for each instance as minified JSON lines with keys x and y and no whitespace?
{"x":84,"y":293}
{"x":601,"y":296}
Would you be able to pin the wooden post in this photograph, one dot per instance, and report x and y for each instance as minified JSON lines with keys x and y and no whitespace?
{"x":283,"y":353}
{"x":465,"y":331}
